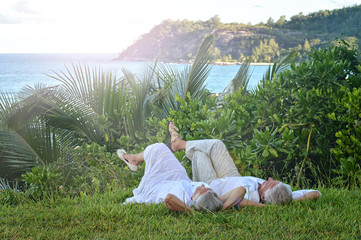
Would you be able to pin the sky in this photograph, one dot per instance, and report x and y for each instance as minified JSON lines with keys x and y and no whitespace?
{"x":110,"y":26}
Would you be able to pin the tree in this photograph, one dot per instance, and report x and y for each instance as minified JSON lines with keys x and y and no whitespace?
{"x":270,"y":22}
{"x":214,"y":22}
{"x":280,"y":22}
{"x":215,"y":53}
{"x":266,"y":51}
{"x":306,"y":46}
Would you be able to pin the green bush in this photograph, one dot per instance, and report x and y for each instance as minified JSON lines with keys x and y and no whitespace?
{"x":93,"y":169}
{"x":9,"y":193}
{"x":301,"y":99}
{"x":10,"y":197}
{"x":287,"y":127}
{"x":156,"y":132}
{"x":348,"y":148}
{"x":41,"y":182}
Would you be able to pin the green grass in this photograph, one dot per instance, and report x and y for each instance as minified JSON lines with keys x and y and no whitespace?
{"x":336,"y":215}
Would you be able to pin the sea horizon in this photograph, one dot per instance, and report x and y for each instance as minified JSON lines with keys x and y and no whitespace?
{"x":18,"y":70}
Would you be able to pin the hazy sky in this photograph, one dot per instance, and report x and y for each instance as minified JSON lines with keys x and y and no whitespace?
{"x":109,"y":26}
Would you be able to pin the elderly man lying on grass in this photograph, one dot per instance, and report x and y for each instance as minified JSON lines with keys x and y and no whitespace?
{"x":211,"y":163}
{"x":166,"y":180}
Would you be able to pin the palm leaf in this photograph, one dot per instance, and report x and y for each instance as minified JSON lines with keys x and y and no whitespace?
{"x":7,"y":101}
{"x":97,"y":94}
{"x":277,"y":67}
{"x":241,"y":80}
{"x":21,"y":150}
{"x":200,"y":69}
{"x":190,"y":79}
{"x":33,"y":102}
{"x":141,"y":89}
{"x":35,"y":144}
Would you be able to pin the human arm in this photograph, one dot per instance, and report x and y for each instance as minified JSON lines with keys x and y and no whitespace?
{"x":173,"y":203}
{"x":233,"y":197}
{"x":246,"y":202}
{"x":309,"y":195}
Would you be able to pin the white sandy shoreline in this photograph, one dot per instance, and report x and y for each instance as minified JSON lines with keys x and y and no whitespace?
{"x":239,"y":63}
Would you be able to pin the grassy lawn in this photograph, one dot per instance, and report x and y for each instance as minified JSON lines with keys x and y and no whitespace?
{"x":336,"y":215}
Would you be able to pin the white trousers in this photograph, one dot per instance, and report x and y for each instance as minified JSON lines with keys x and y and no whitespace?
{"x":210,"y":160}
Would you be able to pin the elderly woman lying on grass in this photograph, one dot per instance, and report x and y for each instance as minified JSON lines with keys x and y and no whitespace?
{"x":166,"y":180}
{"x":211,"y":163}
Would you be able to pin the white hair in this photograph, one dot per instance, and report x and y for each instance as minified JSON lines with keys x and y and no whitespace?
{"x":279,"y":194}
{"x":208,"y":201}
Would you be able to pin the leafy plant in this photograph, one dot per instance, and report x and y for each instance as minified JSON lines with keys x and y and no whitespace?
{"x":26,"y":141}
{"x":9,"y":193}
{"x":241,"y":80}
{"x":298,"y":102}
{"x":348,"y":148}
{"x":9,"y":197}
{"x":188,"y":81}
{"x":41,"y":182}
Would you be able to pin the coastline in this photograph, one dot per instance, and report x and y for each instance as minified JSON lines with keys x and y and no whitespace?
{"x":182,"y":61}
{"x":191,"y":62}
{"x":240,"y":63}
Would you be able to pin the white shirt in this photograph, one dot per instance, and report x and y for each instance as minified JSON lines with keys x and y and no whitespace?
{"x":223,"y":185}
{"x":300,"y":193}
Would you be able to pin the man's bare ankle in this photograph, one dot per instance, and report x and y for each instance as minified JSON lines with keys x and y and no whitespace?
{"x":177,"y":145}
{"x":173,"y":145}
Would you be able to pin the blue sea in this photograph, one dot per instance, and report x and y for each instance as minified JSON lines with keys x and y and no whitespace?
{"x":20,"y":70}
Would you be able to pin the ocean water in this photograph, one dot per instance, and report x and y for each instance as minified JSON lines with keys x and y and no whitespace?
{"x":20,"y":70}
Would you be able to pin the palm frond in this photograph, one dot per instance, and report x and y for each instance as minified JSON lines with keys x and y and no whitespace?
{"x":33,"y":145}
{"x":200,"y":69}
{"x":277,"y":67}
{"x":7,"y":102}
{"x":74,"y":116}
{"x":100,"y":93}
{"x":28,"y":106}
{"x":140,"y":92}
{"x":241,"y":80}
{"x":190,"y":79}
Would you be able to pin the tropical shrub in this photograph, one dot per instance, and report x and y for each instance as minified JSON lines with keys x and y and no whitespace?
{"x":348,"y":147}
{"x":298,"y":102}
{"x":41,"y":182}
{"x":10,"y":197}
{"x":93,"y":169}
{"x":93,"y":106}
{"x":10,"y":193}
{"x":295,"y":126}
{"x":155,"y":133}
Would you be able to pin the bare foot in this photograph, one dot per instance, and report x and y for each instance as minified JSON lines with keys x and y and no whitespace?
{"x":132,"y":160}
{"x":175,"y":143}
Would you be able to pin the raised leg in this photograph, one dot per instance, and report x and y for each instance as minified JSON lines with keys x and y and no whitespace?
{"x":134,"y":159}
{"x":211,"y":153}
{"x":210,"y":158}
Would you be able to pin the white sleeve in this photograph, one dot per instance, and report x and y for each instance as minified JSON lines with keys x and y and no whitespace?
{"x":300,"y":193}
{"x":253,"y":196}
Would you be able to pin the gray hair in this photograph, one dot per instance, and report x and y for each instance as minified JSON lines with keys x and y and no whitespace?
{"x":279,"y":194}
{"x":208,"y":201}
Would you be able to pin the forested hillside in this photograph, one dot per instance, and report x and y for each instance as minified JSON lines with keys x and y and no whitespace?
{"x":178,"y":41}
